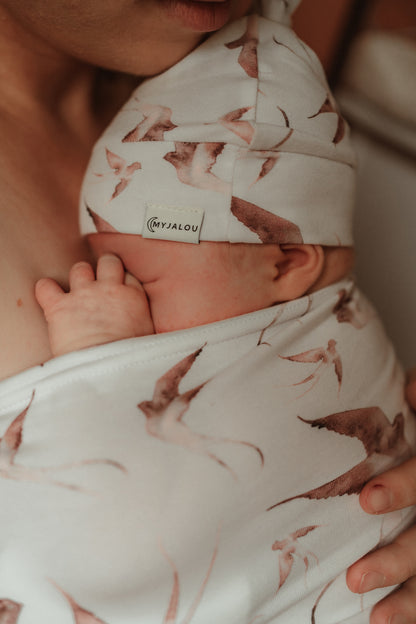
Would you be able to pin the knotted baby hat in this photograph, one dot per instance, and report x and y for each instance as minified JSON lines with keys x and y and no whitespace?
{"x":241,"y":141}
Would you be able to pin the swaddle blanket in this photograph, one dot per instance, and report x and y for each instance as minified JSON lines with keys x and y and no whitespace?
{"x":241,"y":141}
{"x":206,"y":475}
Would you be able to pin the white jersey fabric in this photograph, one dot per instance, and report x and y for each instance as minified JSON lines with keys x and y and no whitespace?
{"x":204,"y":475}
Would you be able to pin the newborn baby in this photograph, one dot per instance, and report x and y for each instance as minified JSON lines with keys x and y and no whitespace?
{"x":186,"y":286}
{"x":270,"y":393}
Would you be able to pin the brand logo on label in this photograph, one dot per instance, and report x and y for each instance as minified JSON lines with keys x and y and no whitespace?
{"x":154,"y":224}
{"x":175,"y":223}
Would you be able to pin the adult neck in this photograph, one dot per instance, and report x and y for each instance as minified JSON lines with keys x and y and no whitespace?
{"x":39,"y":81}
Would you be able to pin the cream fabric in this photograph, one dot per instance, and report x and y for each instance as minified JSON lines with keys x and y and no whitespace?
{"x":141,"y":480}
{"x":245,"y":130}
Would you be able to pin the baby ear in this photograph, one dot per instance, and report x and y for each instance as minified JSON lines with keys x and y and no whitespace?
{"x":298,"y":268}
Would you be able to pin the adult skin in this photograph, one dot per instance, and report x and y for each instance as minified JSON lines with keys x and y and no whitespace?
{"x":52,"y":109}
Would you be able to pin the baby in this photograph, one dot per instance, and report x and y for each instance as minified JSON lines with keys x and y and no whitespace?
{"x":270,"y":393}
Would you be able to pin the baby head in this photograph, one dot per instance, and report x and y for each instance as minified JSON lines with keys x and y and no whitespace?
{"x":238,"y":148}
{"x":189,"y":285}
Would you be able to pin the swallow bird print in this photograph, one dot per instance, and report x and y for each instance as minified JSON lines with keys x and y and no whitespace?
{"x":9,"y":611}
{"x":290,"y":548}
{"x":269,"y":227}
{"x":193,"y":163}
{"x":347,"y":310}
{"x":248,"y":42}
{"x":241,"y":127}
{"x":10,"y":445}
{"x":324,"y":358}
{"x":81,"y":616}
{"x":329,"y":106}
{"x":121,"y":170}
{"x":156,"y":121}
{"x":383,"y":442}
{"x":172,"y":610}
{"x":164,"y":414}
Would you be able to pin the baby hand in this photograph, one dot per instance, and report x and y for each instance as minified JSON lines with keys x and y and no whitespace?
{"x":96,"y":310}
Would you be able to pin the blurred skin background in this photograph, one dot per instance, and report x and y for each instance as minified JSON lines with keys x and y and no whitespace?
{"x":368,"y":48}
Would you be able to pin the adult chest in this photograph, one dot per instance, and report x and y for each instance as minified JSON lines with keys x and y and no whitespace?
{"x":39,"y":237}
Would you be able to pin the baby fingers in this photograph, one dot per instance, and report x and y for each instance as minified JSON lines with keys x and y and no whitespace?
{"x":47,"y":293}
{"x":110,"y":269}
{"x":80,"y":275}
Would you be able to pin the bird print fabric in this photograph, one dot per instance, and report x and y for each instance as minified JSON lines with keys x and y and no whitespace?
{"x":207,"y":475}
{"x":245,"y":129}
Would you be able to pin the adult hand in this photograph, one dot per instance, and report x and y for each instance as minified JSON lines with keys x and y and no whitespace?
{"x":395,"y":563}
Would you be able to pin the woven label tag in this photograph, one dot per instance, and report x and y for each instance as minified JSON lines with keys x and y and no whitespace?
{"x":173,"y":223}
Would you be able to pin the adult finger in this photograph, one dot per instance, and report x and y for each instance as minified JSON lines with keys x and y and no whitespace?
{"x":411,"y":388}
{"x":47,"y":293}
{"x":81,"y":273}
{"x":387,"y":566}
{"x":394,"y":489}
{"x":398,"y":608}
{"x":110,"y":269}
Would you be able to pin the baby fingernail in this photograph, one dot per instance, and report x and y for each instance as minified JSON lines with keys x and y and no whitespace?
{"x":371,"y":580}
{"x":379,"y":499}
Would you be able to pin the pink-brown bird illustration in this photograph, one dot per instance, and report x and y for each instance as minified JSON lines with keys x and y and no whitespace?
{"x":318,"y":600}
{"x":81,"y":616}
{"x":272,"y":323}
{"x":290,"y":548}
{"x":347,"y":310}
{"x":101,"y":225}
{"x":271,"y":157}
{"x":156,"y":121}
{"x":270,"y":160}
{"x":172,"y":610}
{"x":269,"y":227}
{"x":384,"y":443}
{"x":329,"y":106}
{"x":164,"y":414}
{"x":9,"y":611}
{"x":121,"y":170}
{"x":248,"y":42}
{"x":242,"y":128}
{"x":324,"y":358}
{"x":10,"y":444}
{"x":193,"y":163}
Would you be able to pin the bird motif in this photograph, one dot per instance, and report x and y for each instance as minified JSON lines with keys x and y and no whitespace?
{"x":329,"y":106}
{"x":164,"y":414}
{"x":289,"y":548}
{"x":347,"y":310}
{"x":101,"y":225}
{"x":248,"y":42}
{"x":383,"y":442}
{"x":272,"y":323}
{"x":121,"y":171}
{"x":193,"y":163}
{"x":269,"y":227}
{"x":9,"y":611}
{"x":242,"y":128}
{"x":81,"y":616}
{"x":172,"y":610}
{"x":156,"y":121}
{"x":10,"y":444}
{"x":324,"y":358}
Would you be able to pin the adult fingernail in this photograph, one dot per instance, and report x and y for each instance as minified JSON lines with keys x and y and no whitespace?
{"x":398,"y":619}
{"x":371,"y":580}
{"x":379,"y":499}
